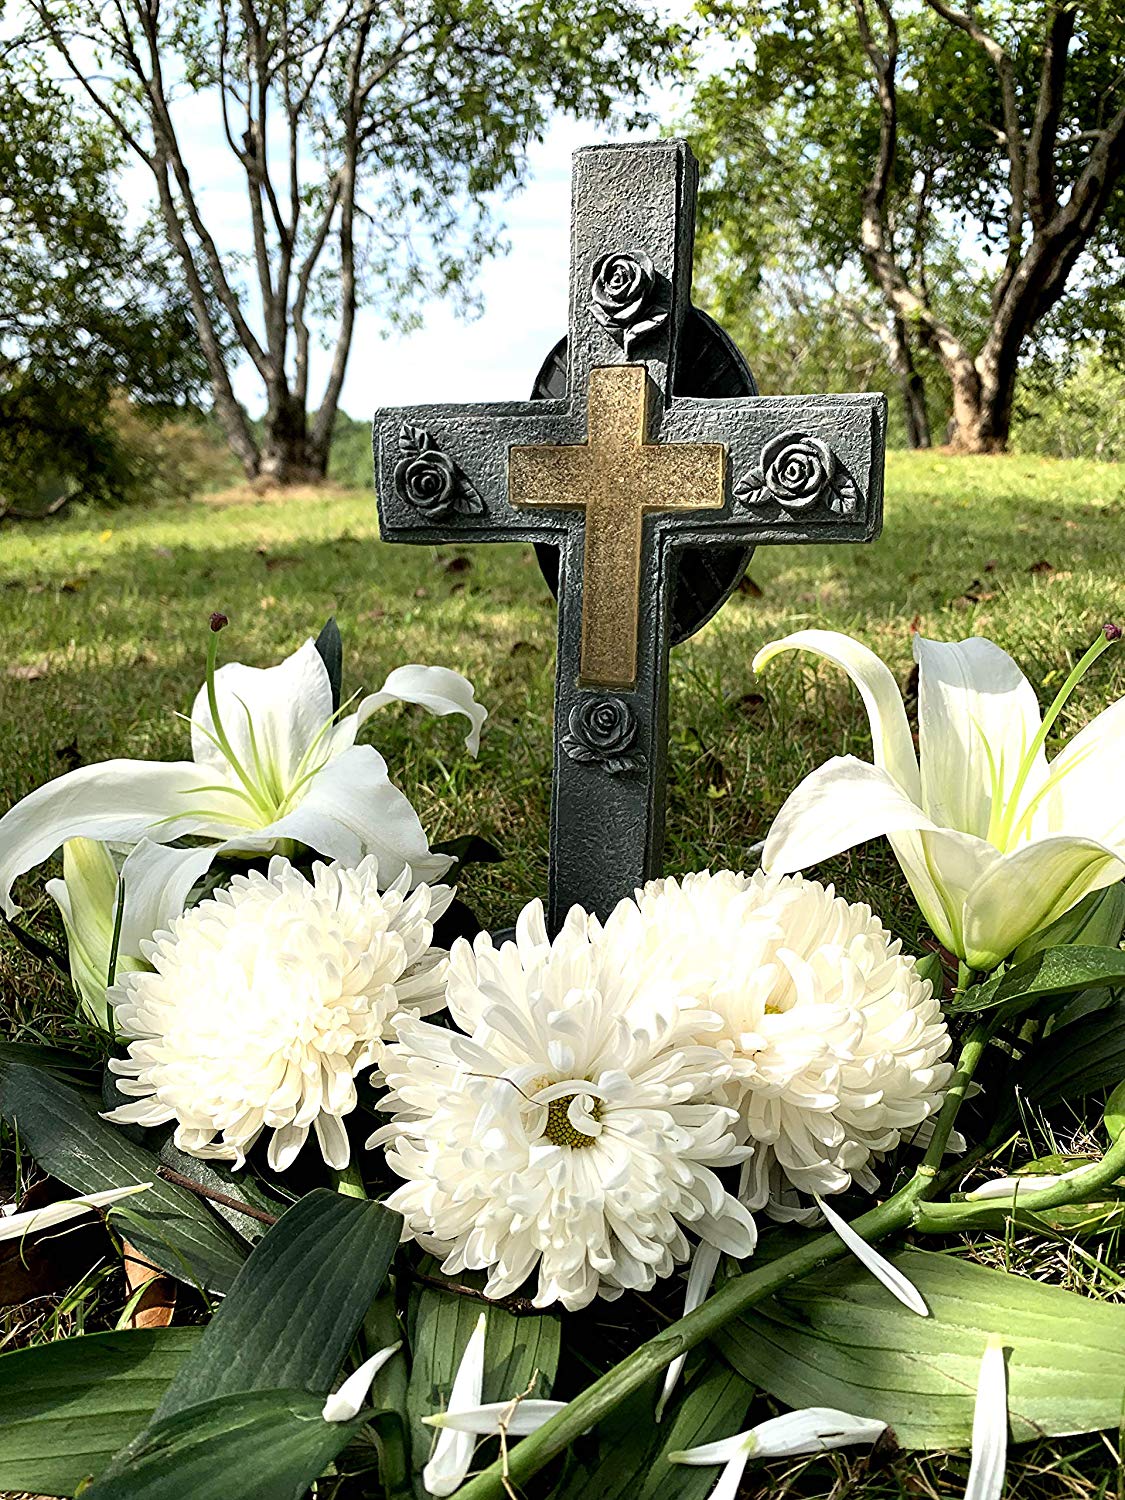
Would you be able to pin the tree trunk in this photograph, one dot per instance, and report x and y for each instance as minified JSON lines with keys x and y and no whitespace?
{"x":913,"y":389}
{"x":288,"y":454}
{"x":982,"y":406}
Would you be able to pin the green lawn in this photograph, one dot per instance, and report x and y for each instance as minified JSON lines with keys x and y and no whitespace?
{"x":104,"y":620}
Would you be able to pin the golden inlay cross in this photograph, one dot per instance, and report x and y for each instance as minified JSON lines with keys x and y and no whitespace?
{"x":617,"y":477}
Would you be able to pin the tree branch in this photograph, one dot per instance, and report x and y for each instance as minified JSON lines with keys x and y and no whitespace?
{"x":1042,"y":193}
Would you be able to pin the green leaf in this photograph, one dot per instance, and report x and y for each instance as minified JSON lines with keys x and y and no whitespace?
{"x":61,"y":1128}
{"x":515,"y":1348}
{"x":330,"y":649}
{"x":930,"y":967}
{"x":293,"y":1311}
{"x":1114,"y":1116}
{"x":69,"y":1406}
{"x":837,"y":1339}
{"x":627,"y":1457}
{"x":1078,"y":1060}
{"x":259,"y":1445}
{"x":1059,"y":971}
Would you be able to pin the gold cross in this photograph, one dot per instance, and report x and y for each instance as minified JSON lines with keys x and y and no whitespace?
{"x":617,"y":477}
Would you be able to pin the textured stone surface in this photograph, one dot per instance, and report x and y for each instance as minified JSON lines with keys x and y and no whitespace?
{"x":795,"y":469}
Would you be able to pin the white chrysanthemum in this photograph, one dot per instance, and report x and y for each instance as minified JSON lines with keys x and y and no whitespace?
{"x":572,"y":1129}
{"x":265,"y":1002}
{"x":834,"y":1040}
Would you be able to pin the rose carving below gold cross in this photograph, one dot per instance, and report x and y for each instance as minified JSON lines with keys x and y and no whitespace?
{"x":617,"y":477}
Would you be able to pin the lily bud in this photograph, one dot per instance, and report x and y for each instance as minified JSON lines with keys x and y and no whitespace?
{"x":86,"y":896}
{"x":1096,"y":922}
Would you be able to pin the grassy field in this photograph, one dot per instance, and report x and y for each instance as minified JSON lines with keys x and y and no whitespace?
{"x":104,"y":620}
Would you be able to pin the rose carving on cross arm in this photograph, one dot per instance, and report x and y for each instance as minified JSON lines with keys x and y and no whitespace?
{"x":429,"y":480}
{"x":626,"y":295}
{"x":602,"y":731}
{"x":799,"y":473}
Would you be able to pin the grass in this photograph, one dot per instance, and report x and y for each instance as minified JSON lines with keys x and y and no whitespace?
{"x":103,"y":619}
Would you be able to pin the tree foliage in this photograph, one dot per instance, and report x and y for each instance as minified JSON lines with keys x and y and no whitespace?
{"x":947,"y":175}
{"x":88,"y":310}
{"x":371,"y":142}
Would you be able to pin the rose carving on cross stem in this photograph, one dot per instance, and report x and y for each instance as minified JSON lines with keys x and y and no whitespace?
{"x":798,"y":472}
{"x":626,"y":295}
{"x":602,"y":731}
{"x":429,"y":480}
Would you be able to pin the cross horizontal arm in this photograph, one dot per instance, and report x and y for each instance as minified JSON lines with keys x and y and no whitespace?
{"x":441,"y":472}
{"x":801,"y":468}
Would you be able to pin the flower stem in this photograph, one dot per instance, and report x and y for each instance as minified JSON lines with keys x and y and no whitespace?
{"x":738,"y":1296}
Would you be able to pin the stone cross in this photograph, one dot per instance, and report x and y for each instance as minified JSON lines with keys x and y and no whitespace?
{"x":641,"y":478}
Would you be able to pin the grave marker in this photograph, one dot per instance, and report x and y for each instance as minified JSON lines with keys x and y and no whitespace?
{"x":653,"y":491}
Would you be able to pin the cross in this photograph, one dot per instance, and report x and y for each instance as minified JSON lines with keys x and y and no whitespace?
{"x":638,"y":476}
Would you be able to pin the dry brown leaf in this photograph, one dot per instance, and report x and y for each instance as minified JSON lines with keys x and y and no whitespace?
{"x":29,"y":671}
{"x":156,"y":1305}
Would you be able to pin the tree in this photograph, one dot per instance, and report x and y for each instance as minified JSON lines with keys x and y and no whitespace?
{"x":369,"y":137}
{"x":89,"y":312}
{"x":969,"y":161}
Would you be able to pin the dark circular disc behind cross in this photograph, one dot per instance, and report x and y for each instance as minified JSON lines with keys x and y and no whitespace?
{"x":708,"y":365}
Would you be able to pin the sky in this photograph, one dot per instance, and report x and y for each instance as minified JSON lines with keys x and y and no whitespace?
{"x":494,"y":356}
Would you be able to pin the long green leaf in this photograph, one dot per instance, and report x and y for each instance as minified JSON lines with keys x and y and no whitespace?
{"x":837,"y":1339}
{"x":294,"y":1309}
{"x":1077,"y":1060}
{"x":69,"y":1406}
{"x":259,"y":1445}
{"x":627,"y":1457}
{"x":1058,"y":971}
{"x":61,"y":1128}
{"x":440,"y":1324}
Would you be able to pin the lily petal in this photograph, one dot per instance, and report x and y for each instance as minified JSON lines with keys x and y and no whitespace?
{"x":157,"y":880}
{"x":453,"y":1454}
{"x":118,"y":801}
{"x":287,"y":705}
{"x":1082,"y":775}
{"x":813,"y":1429}
{"x":15,"y":1226}
{"x":892,"y":1278}
{"x":890,"y":731}
{"x":977,"y":715}
{"x":350,"y":810}
{"x":990,"y":1427}
{"x":348,"y":1401}
{"x":1018,"y":893}
{"x":842,"y":803}
{"x":513,"y":1418}
{"x":436,"y":688}
{"x":704,"y":1264}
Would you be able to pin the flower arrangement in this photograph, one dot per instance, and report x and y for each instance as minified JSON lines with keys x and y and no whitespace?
{"x":532,"y":1212}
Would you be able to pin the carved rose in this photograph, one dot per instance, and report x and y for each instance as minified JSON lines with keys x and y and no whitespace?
{"x":429,"y":480}
{"x":603,"y":730}
{"x":798,"y":472}
{"x":625,"y":293}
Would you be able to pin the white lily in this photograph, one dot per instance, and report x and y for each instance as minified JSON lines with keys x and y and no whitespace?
{"x":990,"y":1426}
{"x":814,"y":1429}
{"x":896,"y":1283}
{"x":347,"y":1402}
{"x":453,"y":1453}
{"x":13,"y":1226}
{"x":994,"y":841}
{"x":272,"y":765}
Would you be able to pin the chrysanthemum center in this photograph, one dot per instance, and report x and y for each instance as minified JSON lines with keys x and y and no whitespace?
{"x":558,"y":1129}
